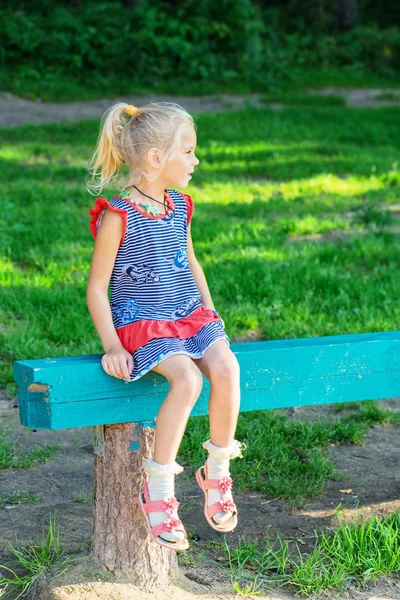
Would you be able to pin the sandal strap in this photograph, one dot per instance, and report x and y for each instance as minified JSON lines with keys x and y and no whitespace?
{"x":169,"y":507}
{"x":168,"y":525}
{"x":218,"y":507}
{"x":211,"y":484}
{"x":154,"y":506}
{"x":224,"y":484}
{"x":216,"y":484}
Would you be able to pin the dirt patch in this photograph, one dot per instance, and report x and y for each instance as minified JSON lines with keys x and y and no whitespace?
{"x":372,"y":475}
{"x":15,"y":110}
{"x":362,"y":97}
{"x":81,"y":583}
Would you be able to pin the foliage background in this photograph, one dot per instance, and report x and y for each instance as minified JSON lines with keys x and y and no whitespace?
{"x":241,"y":44}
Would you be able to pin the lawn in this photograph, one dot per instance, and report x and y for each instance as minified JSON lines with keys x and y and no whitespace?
{"x":56,"y":87}
{"x":272,"y":190}
{"x":265,"y":179}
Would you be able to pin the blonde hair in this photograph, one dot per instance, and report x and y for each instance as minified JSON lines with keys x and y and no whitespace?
{"x":125,"y":139}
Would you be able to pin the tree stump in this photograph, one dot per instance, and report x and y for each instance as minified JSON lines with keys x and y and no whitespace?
{"x":121,"y":543}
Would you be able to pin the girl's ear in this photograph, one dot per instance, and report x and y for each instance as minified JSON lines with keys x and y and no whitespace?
{"x":154,"y":157}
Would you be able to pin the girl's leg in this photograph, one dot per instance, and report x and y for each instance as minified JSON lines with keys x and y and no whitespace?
{"x":186,"y":382}
{"x":221,"y":368}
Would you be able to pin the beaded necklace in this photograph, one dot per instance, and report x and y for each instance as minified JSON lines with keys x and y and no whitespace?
{"x":148,"y":208}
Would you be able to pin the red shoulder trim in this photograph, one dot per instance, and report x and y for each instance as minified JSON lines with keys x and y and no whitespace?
{"x":97,"y":214}
{"x":189,"y":207}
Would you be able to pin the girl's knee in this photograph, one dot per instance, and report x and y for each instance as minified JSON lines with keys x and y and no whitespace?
{"x":182,"y":373}
{"x":226,"y":370}
{"x":188,"y":379}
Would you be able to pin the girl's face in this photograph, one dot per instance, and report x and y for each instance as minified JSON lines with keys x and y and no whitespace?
{"x":179,"y":168}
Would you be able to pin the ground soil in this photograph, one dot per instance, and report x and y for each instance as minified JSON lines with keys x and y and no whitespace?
{"x":372,"y":484}
{"x":372,"y":470}
{"x":362,"y":97}
{"x":19,"y":111}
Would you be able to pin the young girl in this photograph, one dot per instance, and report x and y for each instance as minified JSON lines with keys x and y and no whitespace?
{"x":160,"y":316}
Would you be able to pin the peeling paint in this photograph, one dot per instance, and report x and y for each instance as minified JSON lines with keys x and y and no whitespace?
{"x":38,"y":387}
{"x":43,"y":389}
{"x":150,"y":424}
{"x":98,"y":440}
{"x":134,"y":446}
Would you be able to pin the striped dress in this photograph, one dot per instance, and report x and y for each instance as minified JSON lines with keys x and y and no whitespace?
{"x":155,"y":303}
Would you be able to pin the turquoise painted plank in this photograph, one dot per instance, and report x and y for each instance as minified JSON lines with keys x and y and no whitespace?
{"x":262,"y":363}
{"x":76,"y":392}
{"x":109,"y":411}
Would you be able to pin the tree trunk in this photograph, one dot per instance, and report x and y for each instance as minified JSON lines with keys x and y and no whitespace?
{"x":121,"y":543}
{"x":130,"y":3}
{"x":346,"y":14}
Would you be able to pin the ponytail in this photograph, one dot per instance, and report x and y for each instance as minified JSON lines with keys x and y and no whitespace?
{"x":107,"y":159}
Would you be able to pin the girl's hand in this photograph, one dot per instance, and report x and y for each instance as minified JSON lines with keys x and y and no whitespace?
{"x":118,"y":362}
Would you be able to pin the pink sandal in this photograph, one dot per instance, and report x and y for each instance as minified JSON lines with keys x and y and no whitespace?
{"x":223,"y":505}
{"x":172,"y":523}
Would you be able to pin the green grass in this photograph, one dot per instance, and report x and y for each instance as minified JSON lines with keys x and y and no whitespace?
{"x":349,"y":77}
{"x":82,"y":497}
{"x":353,"y":554}
{"x":305,"y":99}
{"x":264,"y":179}
{"x":387,"y":96}
{"x":20,"y":497}
{"x":13,"y":457}
{"x":30,"y":562}
{"x":286,"y":458}
{"x":50,"y":87}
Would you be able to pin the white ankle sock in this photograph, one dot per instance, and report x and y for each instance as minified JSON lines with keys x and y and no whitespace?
{"x":161,"y":484}
{"x":218,"y":467}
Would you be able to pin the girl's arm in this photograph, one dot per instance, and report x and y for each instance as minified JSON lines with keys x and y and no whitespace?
{"x":198,"y":274}
{"x":116,"y":361}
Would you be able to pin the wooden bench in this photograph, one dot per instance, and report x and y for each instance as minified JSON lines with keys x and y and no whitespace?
{"x":58,"y":393}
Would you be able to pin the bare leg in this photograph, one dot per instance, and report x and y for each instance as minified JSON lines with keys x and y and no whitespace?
{"x":185,"y":387}
{"x":186,"y":382}
{"x":223,"y":410}
{"x":221,"y":368}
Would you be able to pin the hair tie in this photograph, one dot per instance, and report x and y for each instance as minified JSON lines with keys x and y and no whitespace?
{"x":131,"y":109}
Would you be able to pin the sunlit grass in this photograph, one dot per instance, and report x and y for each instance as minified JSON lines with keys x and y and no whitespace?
{"x":286,"y":458}
{"x":30,"y":562}
{"x":265,"y":178}
{"x":295,"y":82}
{"x":353,"y":555}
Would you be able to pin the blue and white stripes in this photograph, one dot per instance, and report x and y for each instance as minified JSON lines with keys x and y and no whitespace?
{"x":152,"y":277}
{"x":152,"y":280}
